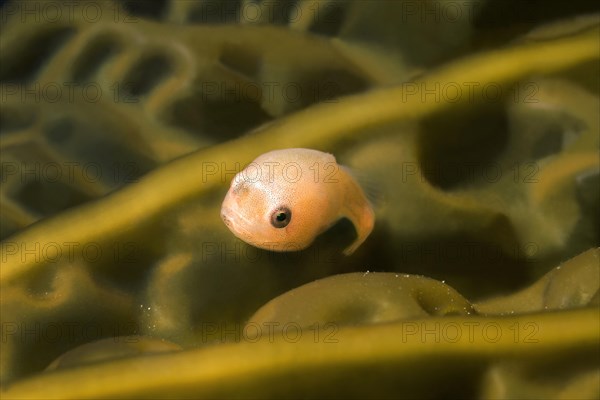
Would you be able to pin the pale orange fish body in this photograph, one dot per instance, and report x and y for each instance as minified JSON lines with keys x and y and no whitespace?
{"x":285,"y":198}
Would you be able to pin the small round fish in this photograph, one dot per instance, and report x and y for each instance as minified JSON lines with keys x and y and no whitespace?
{"x":285,"y":198}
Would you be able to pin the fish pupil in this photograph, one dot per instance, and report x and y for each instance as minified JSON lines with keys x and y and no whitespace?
{"x":281,"y":217}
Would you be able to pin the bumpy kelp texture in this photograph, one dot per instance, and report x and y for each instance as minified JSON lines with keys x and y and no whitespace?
{"x":472,"y":126}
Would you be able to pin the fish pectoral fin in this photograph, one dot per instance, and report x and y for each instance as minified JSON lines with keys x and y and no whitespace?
{"x":352,"y":248}
{"x":358,"y":209}
{"x":363,"y":219}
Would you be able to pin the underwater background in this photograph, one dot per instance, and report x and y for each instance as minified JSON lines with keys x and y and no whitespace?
{"x":474,"y":126}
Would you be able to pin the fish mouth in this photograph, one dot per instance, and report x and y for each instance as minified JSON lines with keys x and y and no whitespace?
{"x":228,"y":221}
{"x":232,"y":221}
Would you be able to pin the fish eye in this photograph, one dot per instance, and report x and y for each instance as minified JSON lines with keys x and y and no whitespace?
{"x":281,"y":217}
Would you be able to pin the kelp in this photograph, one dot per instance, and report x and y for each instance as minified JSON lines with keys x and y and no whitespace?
{"x":286,"y":349}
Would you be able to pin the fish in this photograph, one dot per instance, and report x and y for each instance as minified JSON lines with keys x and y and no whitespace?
{"x":285,"y":198}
